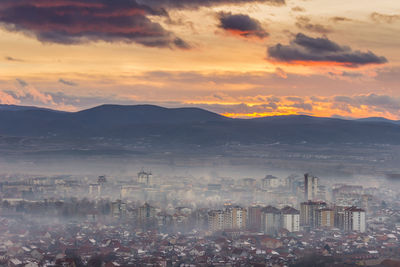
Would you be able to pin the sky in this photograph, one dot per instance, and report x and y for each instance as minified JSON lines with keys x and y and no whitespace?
{"x":239,"y":58}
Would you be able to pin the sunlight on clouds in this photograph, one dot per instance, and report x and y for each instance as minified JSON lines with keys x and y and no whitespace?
{"x":219,"y":69}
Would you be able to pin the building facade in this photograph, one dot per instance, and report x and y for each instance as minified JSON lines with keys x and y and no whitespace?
{"x":354,"y":219}
{"x":254,"y":218}
{"x":326,"y":218}
{"x":233,"y":217}
{"x":309,"y":213}
{"x":310,"y":187}
{"x":271,"y":220}
{"x":290,"y":219}
{"x":145,"y":178}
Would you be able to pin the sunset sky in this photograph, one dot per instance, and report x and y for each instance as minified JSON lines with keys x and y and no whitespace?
{"x":240,"y":58}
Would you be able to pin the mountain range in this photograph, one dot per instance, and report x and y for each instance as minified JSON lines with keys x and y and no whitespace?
{"x":159,"y":125}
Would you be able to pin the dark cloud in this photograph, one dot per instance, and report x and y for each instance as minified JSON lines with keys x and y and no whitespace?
{"x":373,"y":101}
{"x":181,"y":4}
{"x":294,"y":99}
{"x":304,"y":23}
{"x":352,"y":74}
{"x":273,"y":99}
{"x":378,"y":17}
{"x":317,"y":99}
{"x":8,"y":58}
{"x":271,"y":105}
{"x":308,"y":50}
{"x":69,"y":83}
{"x":343,"y":99}
{"x":78,"y":21}
{"x":384,"y":101}
{"x":218,"y":96}
{"x":303,"y":106}
{"x":340,"y":19}
{"x":82,"y":21}
{"x":299,"y":103}
{"x":241,"y":25}
{"x":21,"y":82}
{"x":341,"y":106}
{"x":298,"y":9}
{"x":346,"y":74}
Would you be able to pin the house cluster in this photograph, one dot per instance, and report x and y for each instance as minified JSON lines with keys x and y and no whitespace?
{"x":46,"y":243}
{"x":147,"y":223}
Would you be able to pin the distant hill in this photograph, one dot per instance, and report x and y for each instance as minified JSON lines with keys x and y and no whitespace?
{"x":175,"y":126}
{"x":144,"y":114}
{"x":378,"y":119}
{"x":22,"y":108}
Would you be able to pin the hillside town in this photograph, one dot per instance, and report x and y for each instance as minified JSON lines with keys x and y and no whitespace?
{"x":185,"y":221}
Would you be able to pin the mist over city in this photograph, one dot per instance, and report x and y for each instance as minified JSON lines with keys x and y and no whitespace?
{"x":222,"y":133}
{"x":102,"y":199}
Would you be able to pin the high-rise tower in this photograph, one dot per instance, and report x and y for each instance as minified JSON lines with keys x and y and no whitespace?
{"x":310,"y":187}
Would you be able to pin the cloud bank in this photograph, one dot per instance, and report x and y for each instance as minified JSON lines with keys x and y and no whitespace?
{"x":75,"y":22}
{"x":308,"y":50}
{"x":241,"y":25}
{"x":81,"y":21}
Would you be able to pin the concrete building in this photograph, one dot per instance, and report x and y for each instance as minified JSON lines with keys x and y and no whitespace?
{"x":238,"y":216}
{"x":270,"y":181}
{"x":326,"y":218}
{"x":321,"y":193}
{"x":146,"y":212}
{"x":339,"y":216}
{"x":101,"y":180}
{"x":216,"y":220}
{"x":310,"y":187}
{"x":118,"y":209}
{"x":308,"y":213}
{"x":233,"y":217}
{"x":271,"y":220}
{"x":145,"y":178}
{"x":228,"y":219}
{"x":354,"y":219}
{"x":254,"y":218}
{"x":290,"y":219}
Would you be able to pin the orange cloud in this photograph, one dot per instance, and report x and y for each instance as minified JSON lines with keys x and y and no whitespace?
{"x":257,"y":114}
{"x":357,"y":106}
{"x":8,"y":99}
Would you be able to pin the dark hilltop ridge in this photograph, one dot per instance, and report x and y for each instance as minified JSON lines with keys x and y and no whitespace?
{"x":159,"y":125}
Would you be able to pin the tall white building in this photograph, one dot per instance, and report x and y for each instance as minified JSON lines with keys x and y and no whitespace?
{"x":354,"y":219}
{"x":290,"y":218}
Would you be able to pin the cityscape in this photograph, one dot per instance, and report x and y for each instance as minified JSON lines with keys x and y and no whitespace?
{"x":148,"y":221}
{"x":199,"y":133}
